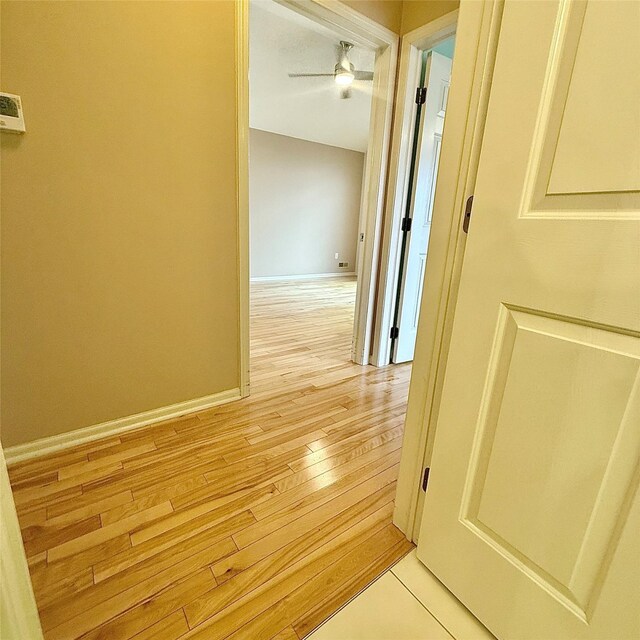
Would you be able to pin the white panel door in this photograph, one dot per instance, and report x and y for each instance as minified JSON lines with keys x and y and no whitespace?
{"x":532,"y":514}
{"x":438,"y":74}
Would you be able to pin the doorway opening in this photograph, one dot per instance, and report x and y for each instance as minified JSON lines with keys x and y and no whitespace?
{"x":319,"y":116}
{"x":431,"y":105}
{"x":423,"y":92}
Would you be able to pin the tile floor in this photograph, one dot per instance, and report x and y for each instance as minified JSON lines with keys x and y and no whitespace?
{"x":406,"y":603}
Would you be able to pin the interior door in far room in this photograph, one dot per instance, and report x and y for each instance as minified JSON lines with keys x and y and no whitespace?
{"x":416,"y":237}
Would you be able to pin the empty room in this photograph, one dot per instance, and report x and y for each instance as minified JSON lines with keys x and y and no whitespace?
{"x":308,"y":140}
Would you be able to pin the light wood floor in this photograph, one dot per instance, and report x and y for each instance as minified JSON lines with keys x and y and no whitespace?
{"x":256,"y":519}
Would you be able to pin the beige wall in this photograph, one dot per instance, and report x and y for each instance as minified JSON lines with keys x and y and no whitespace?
{"x":416,"y":13}
{"x":305,"y":204}
{"x":119,"y":284}
{"x":388,"y":13}
{"x":402,"y":16}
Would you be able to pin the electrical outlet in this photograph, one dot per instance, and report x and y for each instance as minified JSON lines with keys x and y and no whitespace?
{"x":343,"y":264}
{"x":336,"y":256}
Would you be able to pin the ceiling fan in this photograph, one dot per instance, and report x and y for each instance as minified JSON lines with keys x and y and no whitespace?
{"x":344,"y":73}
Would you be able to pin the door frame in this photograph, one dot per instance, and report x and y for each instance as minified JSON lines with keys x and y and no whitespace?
{"x":413,"y":44}
{"x":364,"y":31}
{"x":477,"y":30}
{"x":18,"y":611}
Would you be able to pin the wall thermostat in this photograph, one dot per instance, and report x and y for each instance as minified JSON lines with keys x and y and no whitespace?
{"x":11,"y":116}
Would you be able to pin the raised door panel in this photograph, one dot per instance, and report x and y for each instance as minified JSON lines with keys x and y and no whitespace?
{"x":585,"y":152}
{"x":598,"y":146}
{"x":556,"y":449}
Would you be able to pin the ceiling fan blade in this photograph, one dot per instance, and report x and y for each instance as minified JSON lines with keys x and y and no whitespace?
{"x":311,"y":75}
{"x":363,"y":75}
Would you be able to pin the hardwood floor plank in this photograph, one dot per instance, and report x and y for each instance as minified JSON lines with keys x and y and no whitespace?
{"x":36,"y":481}
{"x":41,"y":538}
{"x":236,"y":479}
{"x":122,"y":511}
{"x":153,"y":609}
{"x":279,"y":444}
{"x":254,"y":519}
{"x":38,"y":496}
{"x":244,"y":558}
{"x":147,"y":478}
{"x":58,"y":459}
{"x":31,"y":518}
{"x":95,"y":507}
{"x":341,"y":532}
{"x":102,"y":534}
{"x":121,"y":447}
{"x":173,"y":541}
{"x":84,"y":467}
{"x":169,"y":628}
{"x":95,"y":606}
{"x":336,"y":467}
{"x":37,"y":560}
{"x":82,"y":501}
{"x":357,"y":562}
{"x":363,"y":444}
{"x":249,"y":607}
{"x":319,"y":586}
{"x":286,"y":634}
{"x":299,"y":502}
{"x":348,"y":589}
{"x":65,"y":588}
{"x":358,"y":437}
{"x":329,"y":484}
{"x":46,"y":578}
{"x":219,"y":510}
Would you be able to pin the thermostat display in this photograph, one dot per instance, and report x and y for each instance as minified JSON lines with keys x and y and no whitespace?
{"x":11,"y":116}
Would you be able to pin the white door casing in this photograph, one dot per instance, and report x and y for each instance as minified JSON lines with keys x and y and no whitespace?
{"x":18,"y":612}
{"x":532,"y":514}
{"x":438,"y":75}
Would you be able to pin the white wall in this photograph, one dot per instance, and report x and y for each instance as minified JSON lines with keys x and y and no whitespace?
{"x":304,"y":201}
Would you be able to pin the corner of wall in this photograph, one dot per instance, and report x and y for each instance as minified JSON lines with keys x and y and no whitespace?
{"x":417,"y":13}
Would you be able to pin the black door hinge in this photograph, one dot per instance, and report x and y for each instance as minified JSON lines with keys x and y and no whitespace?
{"x":406,"y":224}
{"x":425,"y":479}
{"x":395,"y":332}
{"x":421,"y":95}
{"x":467,"y":214}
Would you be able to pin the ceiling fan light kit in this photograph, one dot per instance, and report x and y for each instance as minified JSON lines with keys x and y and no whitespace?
{"x":344,"y":72}
{"x":342,"y":76}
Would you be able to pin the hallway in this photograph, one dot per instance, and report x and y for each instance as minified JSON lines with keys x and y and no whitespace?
{"x":255,"y":519}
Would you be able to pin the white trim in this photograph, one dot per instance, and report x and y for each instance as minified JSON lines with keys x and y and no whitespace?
{"x":413,"y":43}
{"x":374,"y":188}
{"x":364,"y":31}
{"x":242,"y":189}
{"x":50,"y":444}
{"x":308,"y":276}
{"x":349,"y":22}
{"x":476,"y":44}
{"x":19,"y":618}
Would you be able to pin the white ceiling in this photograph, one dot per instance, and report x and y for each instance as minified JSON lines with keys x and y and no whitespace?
{"x":283,"y":42}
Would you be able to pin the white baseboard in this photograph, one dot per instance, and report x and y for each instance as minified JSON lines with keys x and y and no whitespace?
{"x":44,"y":446}
{"x":307,"y":276}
